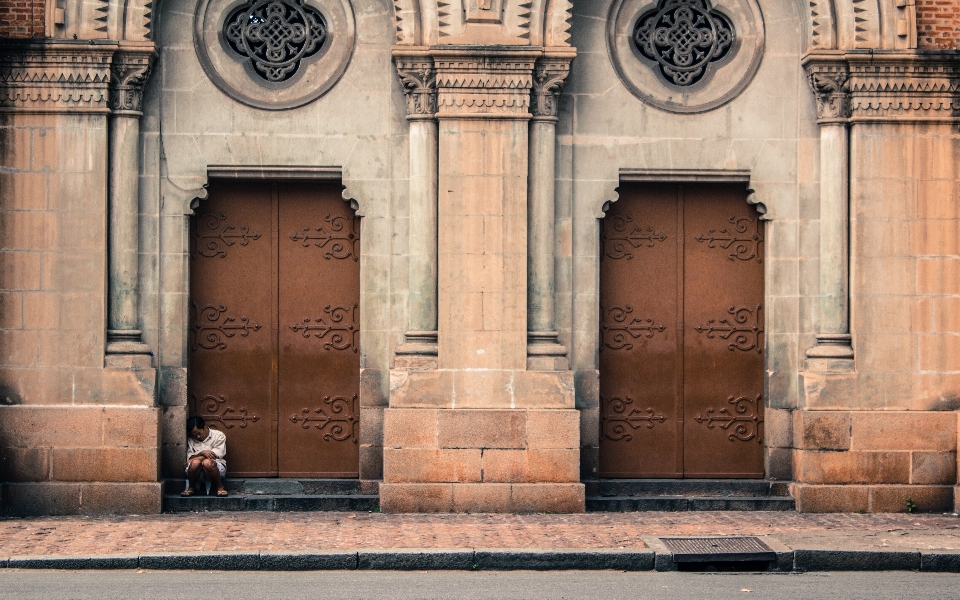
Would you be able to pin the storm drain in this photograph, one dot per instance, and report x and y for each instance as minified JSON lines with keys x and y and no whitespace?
{"x":719,"y":550}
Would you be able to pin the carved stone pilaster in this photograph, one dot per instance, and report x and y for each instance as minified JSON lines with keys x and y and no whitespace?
{"x":129,"y":71}
{"x":477,"y":84}
{"x":54,"y":77}
{"x":419,"y":79}
{"x":830,"y":83}
{"x":548,"y":78}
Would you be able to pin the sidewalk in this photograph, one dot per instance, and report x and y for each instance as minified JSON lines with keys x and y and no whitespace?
{"x":625,"y":541}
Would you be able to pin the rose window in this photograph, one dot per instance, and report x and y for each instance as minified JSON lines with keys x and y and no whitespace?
{"x":276,"y":36}
{"x":683,"y":37}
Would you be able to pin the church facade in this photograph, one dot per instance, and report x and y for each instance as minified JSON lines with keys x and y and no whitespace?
{"x":481,"y":255}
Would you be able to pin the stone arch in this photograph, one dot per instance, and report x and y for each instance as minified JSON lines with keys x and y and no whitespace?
{"x":860,"y":24}
{"x":522,"y":22}
{"x":121,"y":20}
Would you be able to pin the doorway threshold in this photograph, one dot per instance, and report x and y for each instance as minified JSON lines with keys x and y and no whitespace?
{"x":634,"y":495}
{"x":273,"y":495}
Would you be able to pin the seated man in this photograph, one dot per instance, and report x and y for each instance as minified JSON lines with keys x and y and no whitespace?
{"x":206,"y":456}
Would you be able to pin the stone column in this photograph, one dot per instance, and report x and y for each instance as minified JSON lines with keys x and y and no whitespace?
{"x":129,"y":72}
{"x":829,"y":81}
{"x":418,"y":77}
{"x":544,"y":351}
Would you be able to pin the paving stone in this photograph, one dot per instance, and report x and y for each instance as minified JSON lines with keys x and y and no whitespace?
{"x":220,"y":561}
{"x":542,"y":560}
{"x":855,"y":560}
{"x":409,"y":559}
{"x":308,"y":561}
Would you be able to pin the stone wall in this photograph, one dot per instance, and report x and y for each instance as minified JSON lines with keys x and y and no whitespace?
{"x":938,"y":24}
{"x":22,"y":18}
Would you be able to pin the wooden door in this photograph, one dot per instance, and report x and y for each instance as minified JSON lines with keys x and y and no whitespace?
{"x":274,"y":332}
{"x":681,"y":340}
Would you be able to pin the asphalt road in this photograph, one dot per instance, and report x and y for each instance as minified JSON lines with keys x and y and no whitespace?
{"x":606,"y":585}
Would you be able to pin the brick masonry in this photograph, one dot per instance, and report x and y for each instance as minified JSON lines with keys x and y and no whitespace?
{"x":938,"y":24}
{"x":22,"y":18}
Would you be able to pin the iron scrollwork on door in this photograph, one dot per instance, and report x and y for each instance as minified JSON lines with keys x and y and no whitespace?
{"x":276,"y":36}
{"x":683,"y":38}
{"x":210,"y":236}
{"x":209,"y":330}
{"x":343,"y":333}
{"x":209,"y":407}
{"x":340,"y":423}
{"x":745,"y":237}
{"x":615,"y":237}
{"x":343,"y":241}
{"x":745,"y":419}
{"x":615,"y":328}
{"x":746,"y":328}
{"x":616,"y":418}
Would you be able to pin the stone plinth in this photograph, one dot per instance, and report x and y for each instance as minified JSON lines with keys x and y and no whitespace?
{"x":481,"y":460}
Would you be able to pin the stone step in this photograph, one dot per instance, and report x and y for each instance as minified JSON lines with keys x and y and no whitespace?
{"x":275,"y":486}
{"x":272,"y":502}
{"x":685,"y":503}
{"x":724,"y":488}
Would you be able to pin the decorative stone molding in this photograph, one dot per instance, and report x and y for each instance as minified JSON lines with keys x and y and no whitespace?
{"x":648,"y":49}
{"x":53,"y":77}
{"x":130,"y":71}
{"x":477,"y":83}
{"x":242,"y":76}
{"x":865,"y":87}
{"x":548,"y":79}
{"x":419,"y":79}
{"x":830,"y":82}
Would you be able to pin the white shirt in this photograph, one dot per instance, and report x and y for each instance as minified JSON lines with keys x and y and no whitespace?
{"x":216,"y":442}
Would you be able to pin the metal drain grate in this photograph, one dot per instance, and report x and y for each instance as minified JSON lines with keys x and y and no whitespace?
{"x":718,"y":549}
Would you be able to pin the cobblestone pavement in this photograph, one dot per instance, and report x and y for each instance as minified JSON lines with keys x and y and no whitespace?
{"x":306,"y":531}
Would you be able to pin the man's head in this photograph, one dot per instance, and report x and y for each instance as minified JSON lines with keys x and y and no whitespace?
{"x":197,"y":428}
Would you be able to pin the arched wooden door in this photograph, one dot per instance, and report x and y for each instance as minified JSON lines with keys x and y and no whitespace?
{"x":275,"y":327}
{"x":681,"y":340}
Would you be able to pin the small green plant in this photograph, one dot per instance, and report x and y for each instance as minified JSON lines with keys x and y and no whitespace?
{"x":911,"y":505}
{"x":861,"y":511}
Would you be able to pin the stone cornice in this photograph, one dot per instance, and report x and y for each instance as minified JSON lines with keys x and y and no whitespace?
{"x":54,"y":77}
{"x":909,"y":87}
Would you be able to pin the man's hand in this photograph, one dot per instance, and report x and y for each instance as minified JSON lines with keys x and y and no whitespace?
{"x":208,"y":454}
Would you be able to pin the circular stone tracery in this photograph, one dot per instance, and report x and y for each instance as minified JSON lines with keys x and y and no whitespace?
{"x":683,"y":37}
{"x":276,"y":35}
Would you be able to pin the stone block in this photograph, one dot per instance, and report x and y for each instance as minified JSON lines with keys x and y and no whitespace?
{"x":821,"y":430}
{"x":120,"y":498}
{"x":531,"y":466}
{"x":538,"y":389}
{"x":778,"y":428}
{"x":371,"y":425}
{"x":470,"y":428}
{"x":34,"y":427}
{"x":530,"y":559}
{"x":830,"y":391}
{"x":589,"y":463}
{"x":36,"y":499}
{"x":127,"y":386}
{"x":24,"y":464}
{"x":104,"y":464}
{"x":416,"y":497}
{"x":589,"y":426}
{"x":852,"y":467}
{"x":481,"y":497}
{"x":855,"y":560}
{"x":421,"y":389}
{"x":372,"y":388}
{"x":412,"y":465}
{"x":123,"y":427}
{"x":904,"y":430}
{"x":415,"y":559}
{"x":371,"y":462}
{"x":331,"y":560}
{"x":547,"y":497}
{"x":410,"y":428}
{"x":587,"y":387}
{"x":219,"y":561}
{"x":831,"y":498}
{"x":938,"y":468}
{"x":780,"y":463}
{"x":483,"y":389}
{"x":553,"y":428}
{"x":925,"y":498}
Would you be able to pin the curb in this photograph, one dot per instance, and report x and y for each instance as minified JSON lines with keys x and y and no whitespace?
{"x":654,"y":558}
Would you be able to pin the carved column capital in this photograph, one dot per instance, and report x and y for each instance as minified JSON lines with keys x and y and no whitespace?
{"x":830,"y":82}
{"x":419,"y":79}
{"x":548,"y":78}
{"x":128,"y":74}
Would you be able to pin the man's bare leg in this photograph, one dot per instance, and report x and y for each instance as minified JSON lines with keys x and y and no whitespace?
{"x":213,"y":475}
{"x":194,"y":468}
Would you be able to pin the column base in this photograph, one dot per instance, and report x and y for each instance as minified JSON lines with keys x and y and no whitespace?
{"x":544,"y":352}
{"x":418,"y":351}
{"x":832,"y":345}
{"x":125,"y":350}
